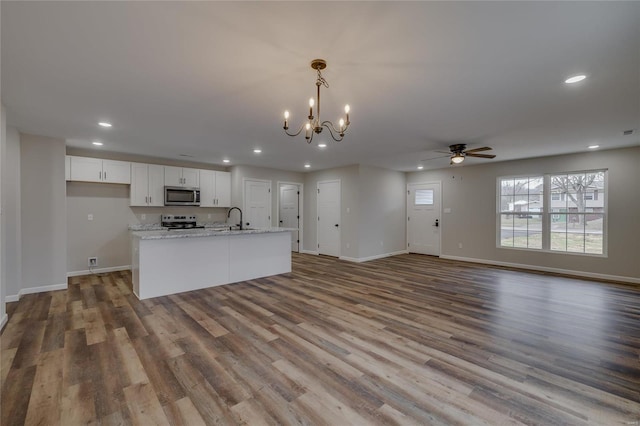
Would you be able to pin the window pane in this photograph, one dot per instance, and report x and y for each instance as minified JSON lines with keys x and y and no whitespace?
{"x":534,"y":231}
{"x":424,"y":197}
{"x":593,"y":239}
{"x":506,"y":203}
{"x":506,"y":230}
{"x":558,"y":231}
{"x":521,"y":186}
{"x":506,"y":187}
{"x":575,"y":233}
{"x":521,"y":203}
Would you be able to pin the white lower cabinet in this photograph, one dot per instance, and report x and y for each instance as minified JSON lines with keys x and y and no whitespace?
{"x":215,"y":189}
{"x":88,"y":169}
{"x":147,"y":185}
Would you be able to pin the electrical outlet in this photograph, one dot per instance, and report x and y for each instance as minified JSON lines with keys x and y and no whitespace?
{"x":143,"y":216}
{"x":459,"y":245}
{"x":89,"y":216}
{"x":93,"y":261}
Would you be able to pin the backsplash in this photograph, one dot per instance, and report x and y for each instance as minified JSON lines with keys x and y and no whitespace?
{"x":151,"y":215}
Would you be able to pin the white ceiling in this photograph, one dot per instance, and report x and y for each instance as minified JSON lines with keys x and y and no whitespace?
{"x":212,"y":79}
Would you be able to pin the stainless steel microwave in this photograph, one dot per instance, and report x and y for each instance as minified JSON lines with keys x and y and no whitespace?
{"x":180,"y":196}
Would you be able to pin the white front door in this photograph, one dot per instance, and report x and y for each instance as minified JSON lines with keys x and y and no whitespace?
{"x":257,"y":203}
{"x":290,"y":211}
{"x":423,"y":218}
{"x":329,"y":218}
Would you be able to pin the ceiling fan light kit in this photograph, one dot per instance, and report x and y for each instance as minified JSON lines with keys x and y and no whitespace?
{"x":315,"y":125}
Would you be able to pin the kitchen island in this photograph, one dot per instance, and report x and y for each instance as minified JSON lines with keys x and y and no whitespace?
{"x":169,"y":262}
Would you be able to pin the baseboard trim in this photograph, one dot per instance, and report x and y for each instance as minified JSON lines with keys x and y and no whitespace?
{"x":369,"y":258}
{"x":31,"y":290}
{"x":315,"y":253}
{"x":571,"y":272}
{"x":3,"y":321}
{"x":98,"y":271}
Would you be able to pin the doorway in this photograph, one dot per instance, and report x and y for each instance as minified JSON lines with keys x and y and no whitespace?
{"x":290,"y":211}
{"x":423,"y":218}
{"x":257,"y":203}
{"x":328,"y":229}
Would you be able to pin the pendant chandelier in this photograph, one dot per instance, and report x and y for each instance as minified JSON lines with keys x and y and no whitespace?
{"x":314,"y":125}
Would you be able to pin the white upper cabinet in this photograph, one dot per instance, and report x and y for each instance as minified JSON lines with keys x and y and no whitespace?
{"x":67,"y":168}
{"x":147,"y":185}
{"x":181,"y":176}
{"x":96,"y":170}
{"x":215,"y":188}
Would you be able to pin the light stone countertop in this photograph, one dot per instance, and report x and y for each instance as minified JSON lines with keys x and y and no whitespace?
{"x":161,"y":234}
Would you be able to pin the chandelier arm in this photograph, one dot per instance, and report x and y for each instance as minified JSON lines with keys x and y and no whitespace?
{"x":332,"y":129}
{"x":294,"y":134}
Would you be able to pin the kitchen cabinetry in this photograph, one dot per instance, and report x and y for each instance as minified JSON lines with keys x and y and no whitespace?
{"x":215,"y":189}
{"x":67,"y":168}
{"x":181,"y":176}
{"x":147,"y":185}
{"x":96,"y":170}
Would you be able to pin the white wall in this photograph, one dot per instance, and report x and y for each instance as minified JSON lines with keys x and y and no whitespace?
{"x":470,"y":193}
{"x":3,"y":281}
{"x":11,"y":230}
{"x":44,"y":222}
{"x":382,"y":211}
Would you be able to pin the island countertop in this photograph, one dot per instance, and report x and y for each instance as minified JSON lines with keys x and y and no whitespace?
{"x":201,"y":232}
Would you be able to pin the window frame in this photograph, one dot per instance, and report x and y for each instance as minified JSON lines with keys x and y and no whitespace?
{"x":547,"y":213}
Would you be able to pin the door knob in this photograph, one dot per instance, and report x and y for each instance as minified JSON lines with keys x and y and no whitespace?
{"x":436,"y":224}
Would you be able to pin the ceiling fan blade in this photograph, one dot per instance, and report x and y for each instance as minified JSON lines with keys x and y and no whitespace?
{"x":484,"y":148}
{"x":470,"y":154}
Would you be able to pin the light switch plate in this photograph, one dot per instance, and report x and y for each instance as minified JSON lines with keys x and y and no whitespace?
{"x":89,"y":216}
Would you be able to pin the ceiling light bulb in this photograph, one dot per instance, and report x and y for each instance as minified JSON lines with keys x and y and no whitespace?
{"x":257,"y":150}
{"x":322,"y":145}
{"x":308,"y":126}
{"x":286,"y":114}
{"x":593,"y":146}
{"x":225,"y":161}
{"x":420,"y":167}
{"x":104,"y":124}
{"x":341,"y":122}
{"x":347,"y":109}
{"x":306,"y":166}
{"x":311,"y":102}
{"x":458,"y":158}
{"x":575,"y":79}
{"x":97,"y":143}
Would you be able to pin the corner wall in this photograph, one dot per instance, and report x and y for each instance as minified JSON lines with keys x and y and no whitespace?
{"x":470,"y":193}
{"x":44,"y":215}
{"x":11,"y":200}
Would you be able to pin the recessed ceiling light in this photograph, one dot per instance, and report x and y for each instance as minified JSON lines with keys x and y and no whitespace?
{"x":97,"y":143}
{"x":225,"y":161}
{"x":322,"y":145}
{"x":575,"y":79}
{"x":257,"y":151}
{"x":593,"y":146}
{"x":420,"y":167}
{"x":306,"y":166}
{"x":104,"y":124}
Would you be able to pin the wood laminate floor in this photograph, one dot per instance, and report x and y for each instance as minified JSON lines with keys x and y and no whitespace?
{"x":403,"y":340}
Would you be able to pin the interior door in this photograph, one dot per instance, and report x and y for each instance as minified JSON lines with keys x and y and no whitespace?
{"x":290,"y":212}
{"x":329,"y":218}
{"x":423,"y":218}
{"x":257,"y":203}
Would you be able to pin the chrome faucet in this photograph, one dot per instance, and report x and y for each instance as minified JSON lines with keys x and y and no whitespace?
{"x":236,"y":208}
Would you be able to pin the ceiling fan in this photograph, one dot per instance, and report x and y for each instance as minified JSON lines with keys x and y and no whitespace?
{"x":458,"y":152}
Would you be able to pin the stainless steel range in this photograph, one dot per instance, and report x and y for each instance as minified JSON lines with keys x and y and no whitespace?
{"x":176,"y":222}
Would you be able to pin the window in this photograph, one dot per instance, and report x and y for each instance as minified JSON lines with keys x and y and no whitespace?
{"x":521,"y":205}
{"x":423,"y":197}
{"x":571,"y":220}
{"x":579,"y":224}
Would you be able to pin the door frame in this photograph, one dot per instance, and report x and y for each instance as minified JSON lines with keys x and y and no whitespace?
{"x":339,"y":181}
{"x":244,"y":196}
{"x":300,"y":209}
{"x":435,"y":182}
